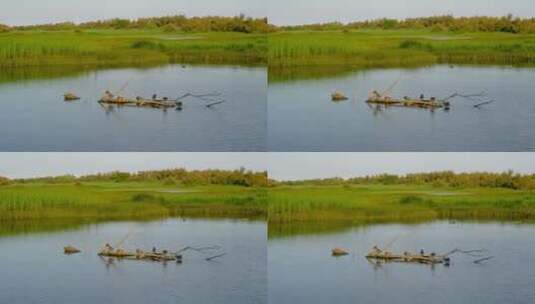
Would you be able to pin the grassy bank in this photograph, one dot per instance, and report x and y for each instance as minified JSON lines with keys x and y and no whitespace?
{"x":354,"y":49}
{"x":95,"y":201}
{"x":379,"y":203}
{"x":128,"y":47}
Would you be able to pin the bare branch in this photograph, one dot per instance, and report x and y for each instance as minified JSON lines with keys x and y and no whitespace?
{"x":215,"y":256}
{"x":199,"y":249}
{"x":483,"y":103}
{"x":483,"y":260}
{"x":215,"y":103}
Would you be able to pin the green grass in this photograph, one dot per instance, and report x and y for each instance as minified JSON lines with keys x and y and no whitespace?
{"x":118,"y":201}
{"x":289,"y":51}
{"x":377,"y":203}
{"x":127,"y":47}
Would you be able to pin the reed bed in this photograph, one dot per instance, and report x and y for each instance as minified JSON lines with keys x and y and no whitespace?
{"x":397,"y":48}
{"x":127,"y":47}
{"x":114,"y":201}
{"x":373,"y":203}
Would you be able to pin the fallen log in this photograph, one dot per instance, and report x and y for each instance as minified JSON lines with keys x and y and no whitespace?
{"x":407,"y":257}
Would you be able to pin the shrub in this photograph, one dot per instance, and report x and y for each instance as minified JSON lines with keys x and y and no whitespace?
{"x":170,"y":28}
{"x":415,"y":45}
{"x":143,"y":197}
{"x":411,"y":199}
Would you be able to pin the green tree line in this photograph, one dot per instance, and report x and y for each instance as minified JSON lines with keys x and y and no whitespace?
{"x":182,"y":176}
{"x":182,"y":23}
{"x":509,"y":180}
{"x":241,"y":23}
{"x":508,"y":24}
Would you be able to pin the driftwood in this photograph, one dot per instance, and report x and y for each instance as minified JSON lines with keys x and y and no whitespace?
{"x":483,"y":260}
{"x":199,"y":249}
{"x":476,"y":96}
{"x":141,"y":255}
{"x":205,"y":97}
{"x":473,"y":253}
{"x":159,"y":103}
{"x":479,"y":253}
{"x":140,"y":102}
{"x":203,"y":250}
{"x":483,"y":103}
{"x":481,"y":98}
{"x":214,"y":103}
{"x":216,"y":256}
{"x":212,"y":98}
{"x":409,"y":102}
{"x":433,"y":103}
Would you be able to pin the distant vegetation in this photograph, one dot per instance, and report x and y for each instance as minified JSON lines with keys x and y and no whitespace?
{"x":4,"y":28}
{"x":424,"y":196}
{"x":507,"y":180}
{"x":119,"y":48}
{"x":317,"y":50}
{"x":292,"y":54}
{"x":98,"y":201}
{"x":179,"y":23}
{"x":123,"y":42}
{"x":143,"y":195}
{"x":361,"y":203}
{"x":178,"y":176}
{"x":505,"y":24}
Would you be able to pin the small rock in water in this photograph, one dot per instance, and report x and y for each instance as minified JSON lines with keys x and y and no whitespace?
{"x":338,"y":96}
{"x":71,"y":250}
{"x":339,"y":252}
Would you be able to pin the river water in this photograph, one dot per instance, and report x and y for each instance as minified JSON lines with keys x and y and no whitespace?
{"x":301,"y":116}
{"x":35,"y":270}
{"x":302,"y":270}
{"x":34,"y":116}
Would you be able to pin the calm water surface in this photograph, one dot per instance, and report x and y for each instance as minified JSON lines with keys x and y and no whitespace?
{"x":34,"y":269}
{"x":301,"y":269}
{"x":34,"y":116}
{"x":301,"y":116}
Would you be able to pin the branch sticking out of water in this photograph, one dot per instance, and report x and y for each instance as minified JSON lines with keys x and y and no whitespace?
{"x":205,"y":97}
{"x":215,"y":256}
{"x":481,"y":98}
{"x":199,"y":249}
{"x":214,"y":103}
{"x":473,"y":253}
{"x":479,"y":261}
{"x":483,"y":103}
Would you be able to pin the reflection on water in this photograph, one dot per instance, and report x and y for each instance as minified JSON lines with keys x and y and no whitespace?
{"x":301,"y":269}
{"x":301,"y":116}
{"x":45,"y":122}
{"x":38,"y":272}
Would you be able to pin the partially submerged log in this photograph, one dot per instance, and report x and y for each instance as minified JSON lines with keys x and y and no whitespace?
{"x":140,"y":255}
{"x":71,"y":250}
{"x":407,"y":257}
{"x":164,"y":103}
{"x":432,"y":103}
{"x":160,"y":103}
{"x":339,"y":252}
